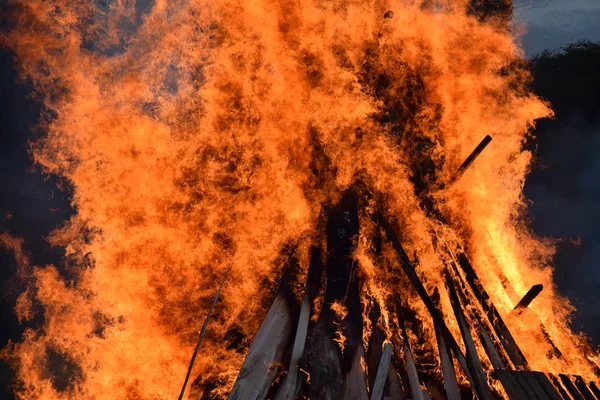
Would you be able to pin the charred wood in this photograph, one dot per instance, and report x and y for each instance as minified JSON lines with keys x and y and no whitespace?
{"x":528,"y":298}
{"x":470,"y":159}
{"x":571,"y":388}
{"x":583,"y":389}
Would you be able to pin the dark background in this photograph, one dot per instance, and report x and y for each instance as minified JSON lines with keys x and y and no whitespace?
{"x":564,"y":186}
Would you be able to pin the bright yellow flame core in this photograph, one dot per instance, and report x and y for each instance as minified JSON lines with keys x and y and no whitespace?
{"x":188,"y":138}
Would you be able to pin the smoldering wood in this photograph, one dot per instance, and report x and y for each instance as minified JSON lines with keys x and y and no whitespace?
{"x":528,"y":298}
{"x":324,"y":354}
{"x":266,"y":352}
{"x":570,"y":386}
{"x":477,"y":372}
{"x":382,"y":372}
{"x":470,"y":159}
{"x":583,"y":389}
{"x":202,"y":333}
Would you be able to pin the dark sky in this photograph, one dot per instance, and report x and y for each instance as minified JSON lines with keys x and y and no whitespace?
{"x":564,"y":185}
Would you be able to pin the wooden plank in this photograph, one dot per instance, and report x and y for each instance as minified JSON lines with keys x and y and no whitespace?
{"x":266,"y":352}
{"x":508,"y":342}
{"x":450,"y":384}
{"x":560,"y":387}
{"x":438,"y":320}
{"x":202,"y":333}
{"x":595,"y":389}
{"x":477,"y":372}
{"x":534,"y":384}
{"x":382,"y":372}
{"x":394,"y":390}
{"x":490,"y":349}
{"x":511,"y":386}
{"x":520,"y":379}
{"x":290,"y":384}
{"x":413,"y":375}
{"x":571,"y":388}
{"x":583,"y":389}
{"x":355,"y":380}
{"x":550,"y":390}
{"x":528,"y":298}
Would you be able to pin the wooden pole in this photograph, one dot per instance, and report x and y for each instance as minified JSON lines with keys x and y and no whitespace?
{"x":470,"y":159}
{"x":450,"y":384}
{"x":201,"y":336}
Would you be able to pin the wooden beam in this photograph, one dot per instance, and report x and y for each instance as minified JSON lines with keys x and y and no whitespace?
{"x":595,"y":389}
{"x":550,"y":390}
{"x":382,"y":372}
{"x":560,"y":387}
{"x":511,"y":386}
{"x":413,"y":375}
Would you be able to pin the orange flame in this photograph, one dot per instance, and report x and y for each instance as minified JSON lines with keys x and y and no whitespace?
{"x":199,"y":135}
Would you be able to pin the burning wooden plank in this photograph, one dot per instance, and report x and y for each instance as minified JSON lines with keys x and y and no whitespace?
{"x":481,"y":387}
{"x":266,"y":353}
{"x":528,"y":298}
{"x":290,"y":385}
{"x":470,"y":159}
{"x":382,"y":372}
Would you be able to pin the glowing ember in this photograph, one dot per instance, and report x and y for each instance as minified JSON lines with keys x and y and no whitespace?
{"x":205,"y":135}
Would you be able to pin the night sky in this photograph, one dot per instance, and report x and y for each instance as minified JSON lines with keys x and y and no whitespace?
{"x":564,"y":186}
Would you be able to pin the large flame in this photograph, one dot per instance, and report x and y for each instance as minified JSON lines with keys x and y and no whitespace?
{"x":201,"y":135}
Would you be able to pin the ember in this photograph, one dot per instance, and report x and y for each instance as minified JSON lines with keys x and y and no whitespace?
{"x":329,"y":190}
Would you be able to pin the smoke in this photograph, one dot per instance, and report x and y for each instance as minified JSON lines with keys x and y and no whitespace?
{"x":564,"y":186}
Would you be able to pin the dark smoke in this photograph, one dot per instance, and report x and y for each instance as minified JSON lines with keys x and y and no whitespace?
{"x":565,"y":182}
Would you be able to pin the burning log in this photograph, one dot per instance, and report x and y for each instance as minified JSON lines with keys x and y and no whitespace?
{"x":382,"y":372}
{"x":528,"y":298}
{"x":265,"y":356}
{"x":201,"y":336}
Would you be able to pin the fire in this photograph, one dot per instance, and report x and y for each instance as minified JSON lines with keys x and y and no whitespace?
{"x":202,"y":136}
